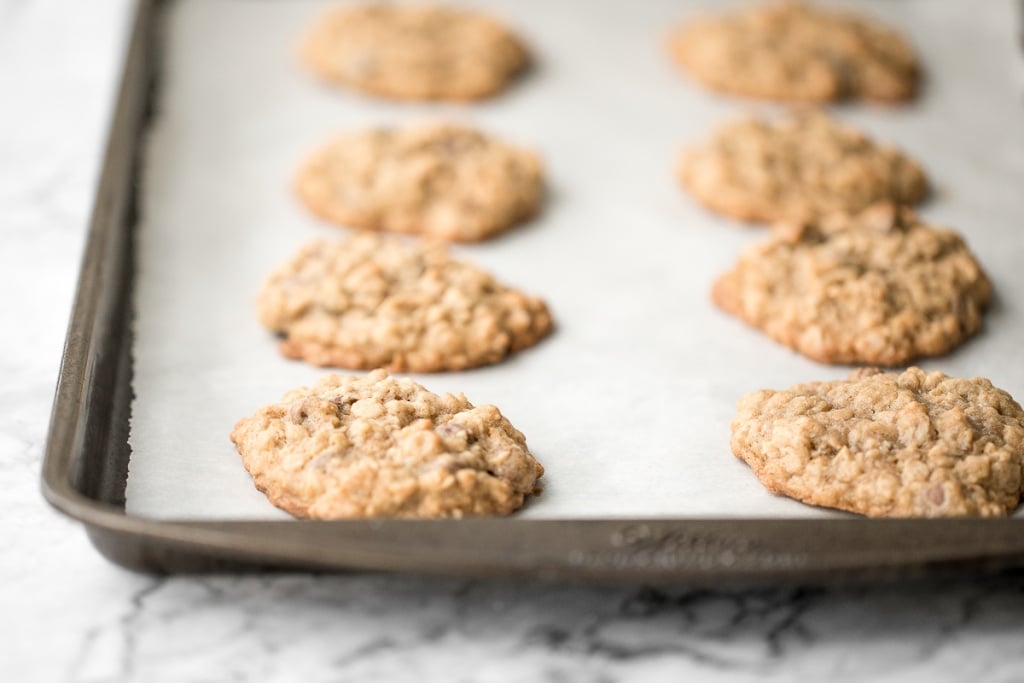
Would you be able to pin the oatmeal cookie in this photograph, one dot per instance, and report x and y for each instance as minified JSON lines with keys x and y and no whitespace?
{"x":374,"y":301}
{"x":798,"y":167}
{"x":379,"y":446}
{"x":878,"y":288}
{"x":415,"y":52}
{"x":910,"y":444}
{"x":438,"y":180}
{"x":784,"y":50}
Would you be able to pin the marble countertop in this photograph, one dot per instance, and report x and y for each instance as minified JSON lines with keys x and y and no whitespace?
{"x":68,"y":615}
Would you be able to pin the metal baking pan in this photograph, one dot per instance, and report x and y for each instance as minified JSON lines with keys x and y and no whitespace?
{"x":86,"y":462}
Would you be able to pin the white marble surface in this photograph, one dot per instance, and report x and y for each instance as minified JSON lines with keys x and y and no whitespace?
{"x":67,"y":615}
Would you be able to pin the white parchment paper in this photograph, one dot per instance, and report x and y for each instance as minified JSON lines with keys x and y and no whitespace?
{"x":628,"y":404}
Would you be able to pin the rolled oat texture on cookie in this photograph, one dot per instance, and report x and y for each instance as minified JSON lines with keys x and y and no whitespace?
{"x":372,"y":301}
{"x":415,"y":52}
{"x":797,"y":167}
{"x":381,"y":446}
{"x":438,"y":180}
{"x":797,"y":51}
{"x":877,"y":288}
{"x":909,"y":444}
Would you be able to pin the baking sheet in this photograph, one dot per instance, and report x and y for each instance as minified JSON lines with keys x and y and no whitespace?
{"x":628,"y":404}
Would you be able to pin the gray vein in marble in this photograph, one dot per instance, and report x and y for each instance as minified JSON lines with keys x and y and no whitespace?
{"x":396,"y":628}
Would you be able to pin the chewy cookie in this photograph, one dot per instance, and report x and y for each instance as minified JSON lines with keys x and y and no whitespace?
{"x":878,"y":288}
{"x":415,"y":52}
{"x":377,"y":446}
{"x":785,"y":50}
{"x":437,"y":180}
{"x":911,"y":444}
{"x":373,"y":301}
{"x":797,"y":168}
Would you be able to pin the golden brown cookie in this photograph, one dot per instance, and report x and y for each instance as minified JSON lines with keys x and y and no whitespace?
{"x":911,"y":444}
{"x":798,"y":167}
{"x":438,"y":180}
{"x":415,"y":52}
{"x":373,"y":301}
{"x":879,"y":288}
{"x":783,"y":50}
{"x":379,"y":446}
